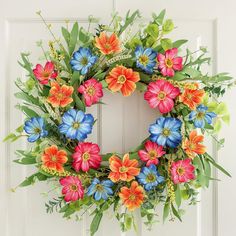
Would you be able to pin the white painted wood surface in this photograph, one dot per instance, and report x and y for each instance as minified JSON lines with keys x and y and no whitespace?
{"x":123,"y":122}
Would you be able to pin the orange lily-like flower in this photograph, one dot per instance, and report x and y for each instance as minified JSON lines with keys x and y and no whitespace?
{"x":108,"y":44}
{"x":122,"y":79}
{"x":132,"y":197}
{"x":60,"y":96}
{"x":193,"y":146}
{"x":124,"y":169}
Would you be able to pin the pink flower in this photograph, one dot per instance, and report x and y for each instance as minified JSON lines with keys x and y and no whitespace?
{"x":72,"y":188}
{"x":86,"y":156}
{"x":161,"y":94}
{"x":182,"y":171}
{"x":151,"y":153}
{"x":43,"y":74}
{"x":91,"y":90}
{"x":169,"y":63}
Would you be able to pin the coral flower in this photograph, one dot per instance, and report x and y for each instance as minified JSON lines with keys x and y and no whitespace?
{"x":54,"y":159}
{"x":192,"y":97}
{"x":132,"y":197}
{"x":43,"y":74}
{"x":91,"y":90}
{"x":193,"y":146}
{"x":151,"y":153}
{"x":124,"y":169}
{"x":161,"y":94}
{"x":86,"y":156}
{"x":122,"y":79}
{"x":60,"y":96}
{"x":107,"y":44}
{"x":169,"y":63}
{"x":72,"y":188}
{"x":182,"y":171}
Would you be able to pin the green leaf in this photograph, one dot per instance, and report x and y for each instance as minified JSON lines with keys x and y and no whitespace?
{"x":192,"y":72}
{"x":175,"y":212}
{"x":106,"y":156}
{"x":95,"y":223}
{"x":28,"y":98}
{"x":152,"y":30}
{"x":179,"y":43}
{"x":168,"y":26}
{"x":217,"y":125}
{"x":31,"y":179}
{"x":26,"y":161}
{"x":141,"y":86}
{"x":226,"y":119}
{"x":9,"y":137}
{"x":128,"y":222}
{"x":166,"y":210}
{"x":73,"y":38}
{"x":75,"y":78}
{"x":178,"y":195}
{"x":159,"y":19}
{"x":166,"y":44}
{"x":66,"y":35}
{"x":222,"y":109}
{"x":27,"y":111}
{"x":79,"y":103}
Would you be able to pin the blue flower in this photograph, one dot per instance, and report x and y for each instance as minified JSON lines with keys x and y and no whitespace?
{"x":149,"y":177}
{"x":82,"y":60}
{"x":146,"y":59}
{"x":201,"y":116}
{"x":76,"y":124}
{"x":100,"y":189}
{"x":35,"y":127}
{"x":166,"y":132}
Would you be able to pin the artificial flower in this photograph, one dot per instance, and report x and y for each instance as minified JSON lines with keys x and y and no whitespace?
{"x":182,"y":171}
{"x":161,"y":94}
{"x":146,"y":58}
{"x":60,"y":96}
{"x":72,"y":188}
{"x":151,"y":153}
{"x":35,"y":127}
{"x":100,"y":189}
{"x":192,"y":97}
{"x":76,"y":124}
{"x":44,"y":74}
{"x":132,"y":197}
{"x":91,"y":90}
{"x":108,"y":44}
{"x":122,"y":79}
{"x":149,"y":177}
{"x":201,"y":116}
{"x":166,"y":132}
{"x":192,"y":145}
{"x":86,"y":156}
{"x":124,"y":169}
{"x":82,"y":60}
{"x":169,"y":62}
{"x":53,"y":158}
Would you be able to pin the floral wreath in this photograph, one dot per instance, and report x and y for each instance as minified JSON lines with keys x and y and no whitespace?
{"x":167,"y":168}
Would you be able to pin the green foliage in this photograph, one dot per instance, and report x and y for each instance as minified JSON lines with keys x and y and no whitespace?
{"x":168,"y":26}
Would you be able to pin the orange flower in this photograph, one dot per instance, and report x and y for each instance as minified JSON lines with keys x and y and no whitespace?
{"x":107,"y":44}
{"x":53,"y":158}
{"x":124,"y":170}
{"x":60,"y":96}
{"x":132,"y":197}
{"x":192,"y":97}
{"x":122,"y":79}
{"x":193,"y":146}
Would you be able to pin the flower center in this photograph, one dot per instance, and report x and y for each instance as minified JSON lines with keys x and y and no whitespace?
{"x":150,"y":178}
{"x":121,"y":79}
{"x":46,"y":74}
{"x":60,"y":96}
{"x":90,"y":91}
{"x":123,"y":169}
{"x":143,"y":59}
{"x":107,"y":46}
{"x":169,"y":63}
{"x":132,"y":197}
{"x":189,"y":96}
{"x":192,"y":146}
{"x":152,"y":154}
{"x":166,"y":132}
{"x":99,"y":187}
{"x":161,"y":95}
{"x":85,"y":156}
{"x":181,"y":171}
{"x":200,"y":115}
{"x":53,"y":158}
{"x":84,"y":61}
{"x":75,"y":125}
{"x":74,"y":188}
{"x":37,"y":130}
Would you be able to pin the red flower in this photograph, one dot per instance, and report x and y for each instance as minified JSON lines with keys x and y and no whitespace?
{"x":72,"y":188}
{"x":91,"y":90}
{"x":43,"y":74}
{"x":86,"y":156}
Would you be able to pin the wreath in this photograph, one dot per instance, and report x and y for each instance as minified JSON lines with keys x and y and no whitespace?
{"x":167,"y":168}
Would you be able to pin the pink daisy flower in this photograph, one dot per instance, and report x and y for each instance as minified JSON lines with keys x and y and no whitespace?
{"x":151,"y":153}
{"x":86,"y":156}
{"x":43,"y":74}
{"x":161,"y":94}
{"x":91,"y":90}
{"x":169,"y":63}
{"x":72,"y":188}
{"x":182,"y":171}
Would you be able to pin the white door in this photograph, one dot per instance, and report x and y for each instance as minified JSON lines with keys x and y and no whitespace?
{"x":210,"y":23}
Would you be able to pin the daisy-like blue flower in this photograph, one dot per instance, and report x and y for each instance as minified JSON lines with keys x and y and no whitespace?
{"x":35,"y":127}
{"x":76,"y":124}
{"x":100,"y":189}
{"x":166,"y":132}
{"x":146,"y":58}
{"x":149,"y":177}
{"x":82,"y":60}
{"x":201,"y":115}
